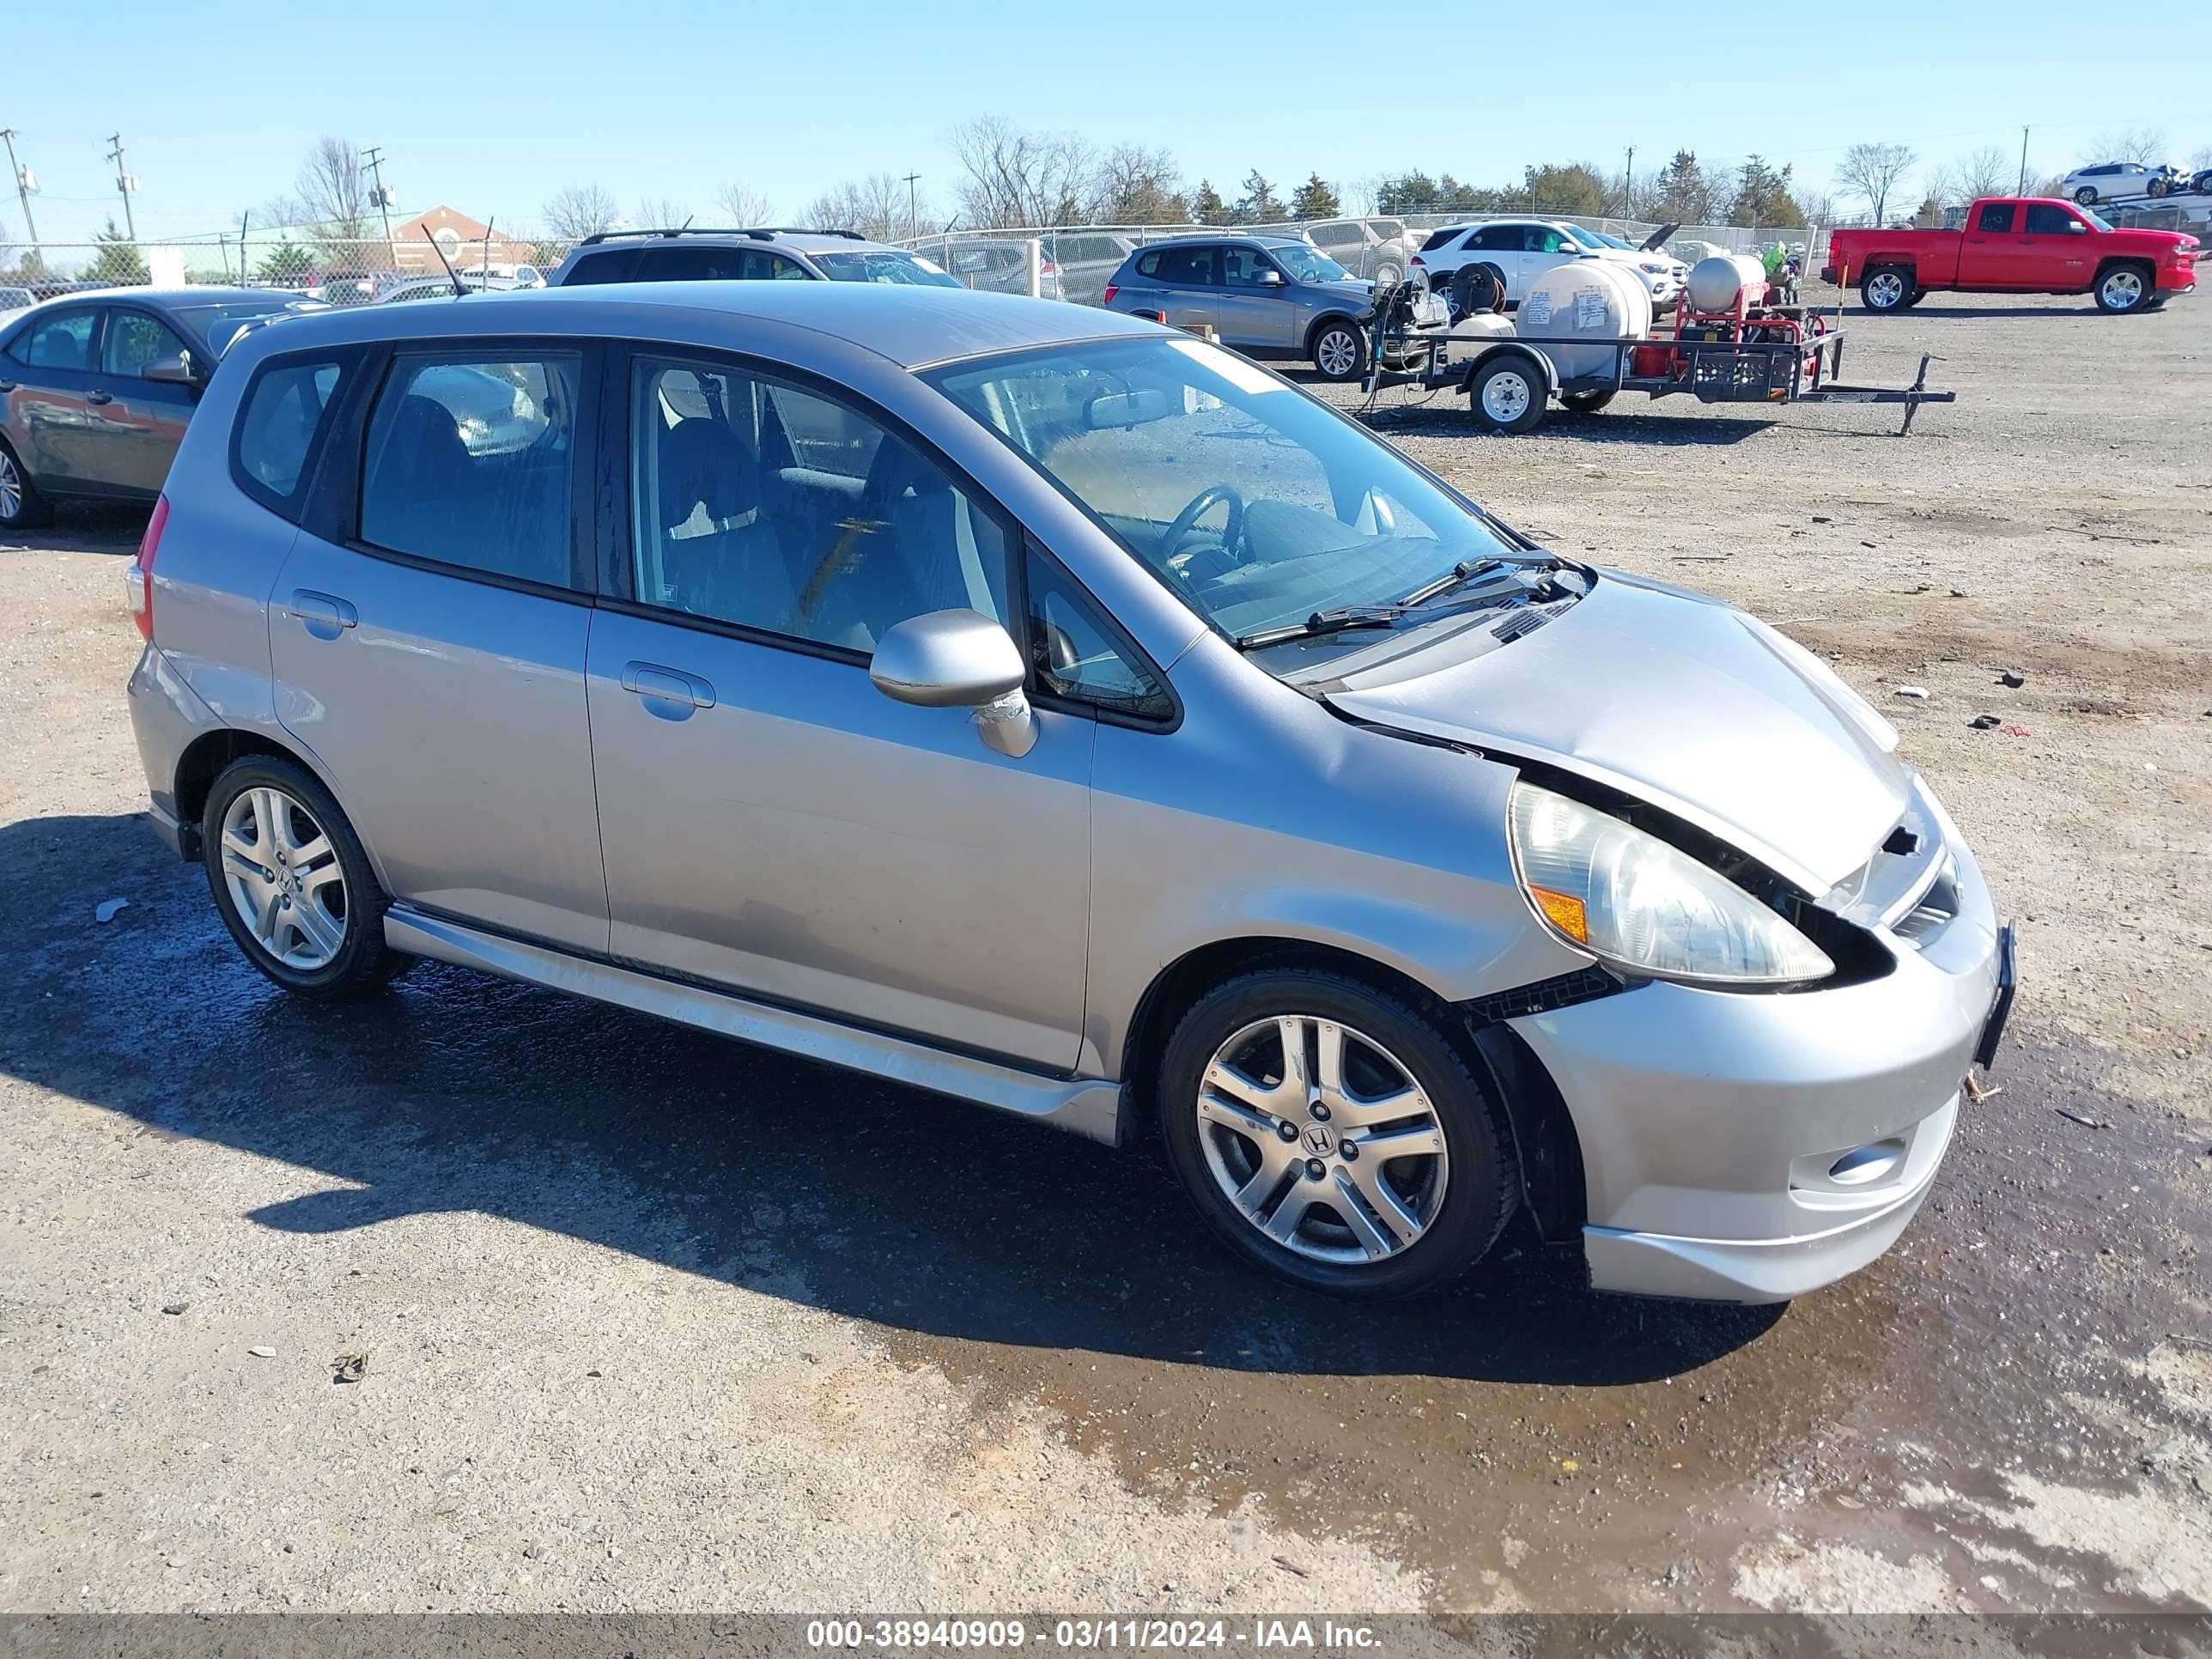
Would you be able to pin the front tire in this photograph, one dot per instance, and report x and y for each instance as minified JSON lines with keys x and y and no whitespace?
{"x":1331,"y":1133}
{"x":2125,"y":289}
{"x":22,"y":505}
{"x":2156,"y":188}
{"x":1585,"y":403}
{"x":292,"y":882}
{"x":1339,"y":350}
{"x":2085,"y":196}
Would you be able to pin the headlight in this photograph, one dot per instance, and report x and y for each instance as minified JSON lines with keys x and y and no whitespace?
{"x":1656,"y":271}
{"x":1635,"y":902}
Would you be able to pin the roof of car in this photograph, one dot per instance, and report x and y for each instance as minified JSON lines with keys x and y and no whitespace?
{"x":1257,"y":239}
{"x":806,"y":241}
{"x":911,"y":326}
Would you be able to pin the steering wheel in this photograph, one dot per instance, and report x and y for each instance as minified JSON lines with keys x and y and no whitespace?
{"x":1187,"y":520}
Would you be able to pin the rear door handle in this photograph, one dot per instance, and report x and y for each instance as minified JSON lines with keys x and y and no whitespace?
{"x":668,"y":692}
{"x":324,"y":614}
{"x":99,"y":396}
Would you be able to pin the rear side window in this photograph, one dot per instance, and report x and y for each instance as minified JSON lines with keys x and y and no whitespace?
{"x":697,"y":262}
{"x":1149,"y":265}
{"x":613,"y":266}
{"x":2046,"y":219}
{"x":468,"y":464}
{"x":1497,"y":239}
{"x":279,"y":424}
{"x":62,"y":341}
{"x":1994,"y":216}
{"x":1191,"y":267}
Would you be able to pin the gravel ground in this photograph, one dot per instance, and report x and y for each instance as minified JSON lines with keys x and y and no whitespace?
{"x":656,"y":1322}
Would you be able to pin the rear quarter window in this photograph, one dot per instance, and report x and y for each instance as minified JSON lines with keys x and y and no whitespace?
{"x":282,"y":421}
{"x":612,"y":266}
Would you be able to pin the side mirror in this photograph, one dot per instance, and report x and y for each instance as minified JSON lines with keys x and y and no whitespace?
{"x":1271,"y":278}
{"x":959,"y":659}
{"x":2075,"y":227}
{"x":175,"y":369}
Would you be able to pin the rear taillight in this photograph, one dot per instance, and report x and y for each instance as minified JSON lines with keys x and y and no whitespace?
{"x":141,"y":573}
{"x":1416,"y":260}
{"x":1109,"y":298}
{"x":1048,"y":268}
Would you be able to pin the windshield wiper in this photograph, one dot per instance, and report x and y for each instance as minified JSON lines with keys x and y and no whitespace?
{"x":1334,"y":621}
{"x":1464,"y":572}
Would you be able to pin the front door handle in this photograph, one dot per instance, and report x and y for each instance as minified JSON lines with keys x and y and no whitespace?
{"x":324,"y":614}
{"x":668,"y":692}
{"x":99,"y":396}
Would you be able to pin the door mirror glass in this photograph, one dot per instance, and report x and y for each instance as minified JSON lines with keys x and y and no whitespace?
{"x":1271,"y":278}
{"x":947,"y":659}
{"x":175,"y":369}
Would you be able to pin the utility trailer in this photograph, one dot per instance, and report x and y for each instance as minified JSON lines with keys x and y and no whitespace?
{"x":1751,"y":354}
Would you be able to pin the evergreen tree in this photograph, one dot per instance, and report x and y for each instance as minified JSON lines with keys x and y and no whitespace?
{"x":1313,"y":199}
{"x":1206,"y":207}
{"x":1763,"y":198}
{"x":1260,"y":205}
{"x":288,"y":262}
{"x":118,"y":262}
{"x":1685,"y":194}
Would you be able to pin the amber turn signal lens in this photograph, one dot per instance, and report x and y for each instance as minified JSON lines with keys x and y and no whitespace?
{"x":1563,"y":912}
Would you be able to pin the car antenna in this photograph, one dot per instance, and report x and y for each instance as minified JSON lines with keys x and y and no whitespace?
{"x":424,"y":226}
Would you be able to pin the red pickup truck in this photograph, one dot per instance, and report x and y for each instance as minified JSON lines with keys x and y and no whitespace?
{"x":2017,"y":245}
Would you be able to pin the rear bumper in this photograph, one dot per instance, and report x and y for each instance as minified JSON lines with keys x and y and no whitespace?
{"x":166,"y":716}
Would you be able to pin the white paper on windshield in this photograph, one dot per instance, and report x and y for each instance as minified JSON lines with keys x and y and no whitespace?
{"x":929,"y":265}
{"x":1244,"y":376}
{"x":1538,"y":310}
{"x":1589,"y":308}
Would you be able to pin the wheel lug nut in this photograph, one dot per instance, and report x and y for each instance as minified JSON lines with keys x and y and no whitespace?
{"x":1350,"y":1149}
{"x":1319,"y":1112}
{"x":1315,"y":1169}
{"x":1288,"y":1131}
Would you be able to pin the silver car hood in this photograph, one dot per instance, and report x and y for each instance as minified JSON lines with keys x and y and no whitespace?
{"x":1681,"y":701}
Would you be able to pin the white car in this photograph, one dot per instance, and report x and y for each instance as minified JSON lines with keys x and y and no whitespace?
{"x":2111,"y":180}
{"x":1519,"y":250}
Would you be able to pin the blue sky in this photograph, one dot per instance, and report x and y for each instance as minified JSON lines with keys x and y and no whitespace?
{"x":491,"y":106}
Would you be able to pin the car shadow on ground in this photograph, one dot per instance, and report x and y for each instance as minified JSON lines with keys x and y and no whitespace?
{"x":86,"y":527}
{"x":1447,"y":418}
{"x":454,"y":1092}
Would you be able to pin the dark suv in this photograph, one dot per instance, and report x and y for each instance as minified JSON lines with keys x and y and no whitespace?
{"x":768,"y":254}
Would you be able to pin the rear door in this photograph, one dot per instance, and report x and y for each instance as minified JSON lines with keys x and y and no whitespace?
{"x":1189,"y":278}
{"x":144,"y":419}
{"x":428,"y":632}
{"x":1990,"y":247}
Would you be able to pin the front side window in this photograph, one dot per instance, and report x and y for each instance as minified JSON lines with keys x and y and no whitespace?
{"x":1995,"y":217}
{"x":276,"y":428}
{"x":133,"y":340}
{"x":2048,"y":219}
{"x":1251,"y":500}
{"x":1244,"y":266}
{"x":468,"y":463}
{"x":729,"y":522}
{"x":1308,"y":265}
{"x":59,"y":342}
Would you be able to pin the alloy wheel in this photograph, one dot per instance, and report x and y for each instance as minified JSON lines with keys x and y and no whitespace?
{"x":11,"y":487}
{"x":1885,"y":291}
{"x":2124,"y":290}
{"x":285,"y":879}
{"x":1505,"y":396}
{"x":1336,"y":353}
{"x":1321,"y":1140}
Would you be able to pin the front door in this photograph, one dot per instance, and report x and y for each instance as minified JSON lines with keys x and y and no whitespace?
{"x":430,"y":651}
{"x":145,"y":419}
{"x":771,"y":821}
{"x":2054,"y":256}
{"x":1253,"y":313}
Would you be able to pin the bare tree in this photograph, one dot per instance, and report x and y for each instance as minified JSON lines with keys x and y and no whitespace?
{"x":661,"y":213}
{"x":2143,"y":144}
{"x":1819,"y":207}
{"x":1984,"y":171}
{"x":1134,"y":186}
{"x":1871,"y":172}
{"x":876,"y":206}
{"x":1011,"y":176}
{"x":742,"y":205}
{"x":580,"y":210}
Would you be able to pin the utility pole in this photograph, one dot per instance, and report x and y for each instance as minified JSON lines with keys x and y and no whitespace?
{"x":381,"y":197}
{"x":2022,"y":191}
{"x":913,"y":211}
{"x":1628,"y":187}
{"x":22,"y":184}
{"x":125,"y":183}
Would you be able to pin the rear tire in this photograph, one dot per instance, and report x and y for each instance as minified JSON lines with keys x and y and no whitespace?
{"x":1585,"y":403}
{"x":2156,"y":187}
{"x":1885,"y":289}
{"x":2085,"y":196}
{"x":1371,"y":1225}
{"x":2126,"y":287}
{"x":1507,"y":392}
{"x":293,"y":884}
{"x":1339,"y":350}
{"x":21,"y":505}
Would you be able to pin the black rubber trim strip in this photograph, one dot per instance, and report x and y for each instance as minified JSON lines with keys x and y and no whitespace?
{"x":1561,"y":991}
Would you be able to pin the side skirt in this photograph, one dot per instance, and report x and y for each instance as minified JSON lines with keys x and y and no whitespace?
{"x":1089,"y":1106}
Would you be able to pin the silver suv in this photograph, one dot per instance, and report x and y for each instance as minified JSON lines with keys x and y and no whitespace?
{"x":759,"y":255}
{"x":1052,"y":709}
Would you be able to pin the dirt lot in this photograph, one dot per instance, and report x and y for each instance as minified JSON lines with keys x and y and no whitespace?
{"x":659,"y":1322}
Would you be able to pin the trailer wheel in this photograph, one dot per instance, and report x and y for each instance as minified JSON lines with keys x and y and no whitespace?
{"x":1586,"y":403}
{"x":1507,"y":394}
{"x":1885,"y":289}
{"x":2124,"y":288}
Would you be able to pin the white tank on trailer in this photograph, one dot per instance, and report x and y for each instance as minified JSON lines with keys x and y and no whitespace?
{"x":1597,"y":299}
{"x":1717,"y":280}
{"x":1472,"y":334}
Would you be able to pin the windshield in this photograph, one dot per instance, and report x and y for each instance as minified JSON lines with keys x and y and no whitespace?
{"x":1308,"y":264}
{"x":1255,"y":503}
{"x":2093,"y":217}
{"x":884,"y":265}
{"x":1612,"y":241}
{"x":1588,"y":239}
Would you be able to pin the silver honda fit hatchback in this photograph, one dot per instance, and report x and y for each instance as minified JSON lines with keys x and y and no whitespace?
{"x":1042,"y":707}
